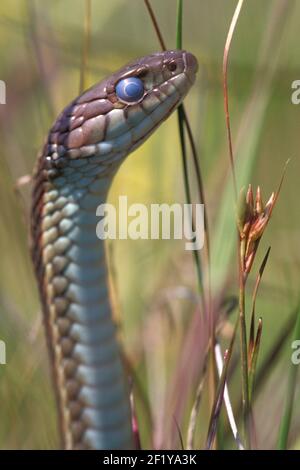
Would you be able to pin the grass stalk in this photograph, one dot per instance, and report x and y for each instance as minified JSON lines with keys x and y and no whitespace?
{"x":241,"y":243}
{"x":212,"y":429}
{"x":195,"y":412}
{"x":254,"y":297}
{"x":179,"y":24}
{"x":244,"y":350}
{"x":254,"y":357}
{"x":227,"y":402}
{"x":86,"y":40}
{"x":181,"y":121}
{"x":182,"y":117}
{"x":206,"y":296}
{"x":155,"y":25}
{"x":188,"y":195}
{"x":225,"y":88}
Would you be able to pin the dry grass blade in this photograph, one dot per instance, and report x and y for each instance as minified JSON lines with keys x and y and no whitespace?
{"x":179,"y":433}
{"x":240,"y":246}
{"x":134,"y":421}
{"x":225,"y":87}
{"x":85,"y":44}
{"x":229,"y":410}
{"x":281,"y":180}
{"x":155,"y":24}
{"x":212,"y":429}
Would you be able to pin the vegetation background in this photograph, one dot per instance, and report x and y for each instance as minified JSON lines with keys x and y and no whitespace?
{"x":155,"y":288}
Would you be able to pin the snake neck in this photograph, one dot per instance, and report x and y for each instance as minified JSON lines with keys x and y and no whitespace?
{"x":69,"y":259}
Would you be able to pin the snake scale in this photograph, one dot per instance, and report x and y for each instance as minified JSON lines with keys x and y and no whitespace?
{"x":85,"y":147}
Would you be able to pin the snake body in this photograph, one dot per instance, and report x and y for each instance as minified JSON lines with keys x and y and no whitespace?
{"x":84,"y":148}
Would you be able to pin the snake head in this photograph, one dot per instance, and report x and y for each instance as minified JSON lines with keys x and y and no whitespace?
{"x":169,"y":73}
{"x":117,"y":114}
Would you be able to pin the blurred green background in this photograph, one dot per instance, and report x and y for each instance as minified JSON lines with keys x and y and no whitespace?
{"x":154,"y":281}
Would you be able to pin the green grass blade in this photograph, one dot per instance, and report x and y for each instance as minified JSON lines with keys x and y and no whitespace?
{"x":179,"y":24}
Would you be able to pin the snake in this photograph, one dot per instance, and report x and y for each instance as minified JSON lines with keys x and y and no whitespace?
{"x":73,"y":173}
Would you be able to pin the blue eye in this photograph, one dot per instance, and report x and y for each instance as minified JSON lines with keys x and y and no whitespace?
{"x":130,"y":89}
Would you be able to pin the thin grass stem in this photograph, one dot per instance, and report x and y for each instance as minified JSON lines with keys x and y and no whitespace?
{"x":228,"y":406}
{"x":86,"y":40}
{"x":195,"y":412}
{"x":225,"y":88}
{"x":155,"y":24}
{"x":179,"y":24}
{"x":254,"y":357}
{"x":212,"y":429}
{"x":244,"y":352}
{"x":254,"y":297}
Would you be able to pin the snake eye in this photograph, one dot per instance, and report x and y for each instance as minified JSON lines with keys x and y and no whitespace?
{"x":130,"y":89}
